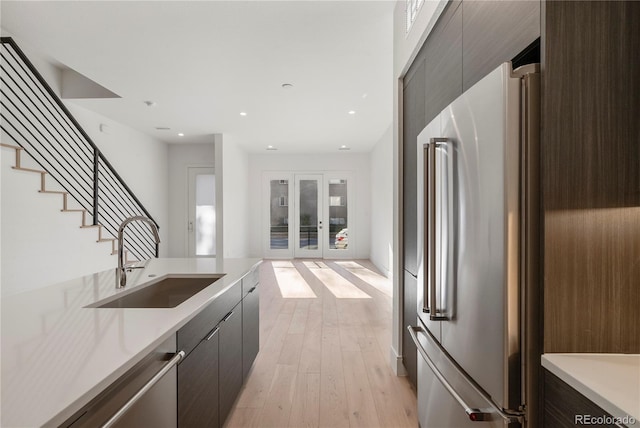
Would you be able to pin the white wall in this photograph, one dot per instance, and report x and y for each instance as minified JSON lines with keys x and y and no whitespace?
{"x":356,"y":162}
{"x":382,"y":203}
{"x":40,"y":244}
{"x":141,"y":161}
{"x":232,"y":167}
{"x":182,"y":156}
{"x":405,"y":48}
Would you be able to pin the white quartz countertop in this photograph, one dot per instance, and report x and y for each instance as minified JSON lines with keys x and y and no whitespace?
{"x":612,"y":381}
{"x":57,"y":354}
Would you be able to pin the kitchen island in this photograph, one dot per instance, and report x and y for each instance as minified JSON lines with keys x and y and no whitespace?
{"x":58,"y":354}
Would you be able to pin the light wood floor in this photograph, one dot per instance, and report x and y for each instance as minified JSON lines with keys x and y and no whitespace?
{"x":324,"y":360}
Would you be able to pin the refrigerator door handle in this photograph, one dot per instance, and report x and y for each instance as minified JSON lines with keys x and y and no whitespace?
{"x":475,"y":415}
{"x":435,"y":314}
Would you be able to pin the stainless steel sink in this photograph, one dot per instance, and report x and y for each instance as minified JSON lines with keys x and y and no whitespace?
{"x":166,"y":293}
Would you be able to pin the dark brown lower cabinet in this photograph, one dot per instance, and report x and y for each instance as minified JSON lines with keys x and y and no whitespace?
{"x":250,"y":329}
{"x":564,"y":407}
{"x":230,"y":361}
{"x":198,"y":385}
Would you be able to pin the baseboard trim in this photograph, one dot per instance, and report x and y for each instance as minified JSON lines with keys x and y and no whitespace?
{"x":396,"y":363}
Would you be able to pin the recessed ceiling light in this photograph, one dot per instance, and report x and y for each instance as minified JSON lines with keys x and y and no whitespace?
{"x":243,"y":113}
{"x":343,"y":147}
{"x":270,"y":147}
{"x":365,"y":95}
{"x":352,"y":112}
{"x":287,"y":85}
{"x":180,"y":134}
{"x":150,"y":103}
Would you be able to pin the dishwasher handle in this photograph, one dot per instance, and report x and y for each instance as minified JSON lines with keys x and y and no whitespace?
{"x":146,"y":387}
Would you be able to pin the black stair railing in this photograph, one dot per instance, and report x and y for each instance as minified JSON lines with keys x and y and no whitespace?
{"x":35,"y":118}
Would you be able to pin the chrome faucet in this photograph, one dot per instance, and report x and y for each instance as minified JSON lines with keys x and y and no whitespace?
{"x":121,"y":271}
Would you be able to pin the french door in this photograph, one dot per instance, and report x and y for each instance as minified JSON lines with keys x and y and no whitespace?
{"x":308,"y":240}
{"x":315,"y":224}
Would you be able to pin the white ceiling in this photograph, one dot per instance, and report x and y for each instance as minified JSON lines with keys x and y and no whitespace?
{"x":204,"y":62}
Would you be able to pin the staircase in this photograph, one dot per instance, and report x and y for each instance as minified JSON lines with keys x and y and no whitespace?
{"x":48,"y":141}
{"x":65,"y":197}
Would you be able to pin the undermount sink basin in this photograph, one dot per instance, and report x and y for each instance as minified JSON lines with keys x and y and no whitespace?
{"x":168,"y":292}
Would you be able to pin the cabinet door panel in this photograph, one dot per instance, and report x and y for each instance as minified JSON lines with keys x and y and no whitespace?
{"x":230,"y":361}
{"x":196,"y":329}
{"x":198,"y":386}
{"x":413,"y":122}
{"x":250,"y":329}
{"x":562,"y":404}
{"x":495,"y":32}
{"x":443,"y":62}
{"x":410,"y":317}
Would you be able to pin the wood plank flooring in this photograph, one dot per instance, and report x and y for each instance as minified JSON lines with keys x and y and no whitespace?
{"x":324,"y":360}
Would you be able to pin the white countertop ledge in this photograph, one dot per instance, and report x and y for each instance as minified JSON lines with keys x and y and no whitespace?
{"x":57,"y":354}
{"x":612,"y":381}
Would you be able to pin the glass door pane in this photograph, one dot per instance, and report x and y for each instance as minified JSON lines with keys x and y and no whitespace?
{"x":338,"y":215}
{"x":308,"y":215}
{"x":279,"y":215}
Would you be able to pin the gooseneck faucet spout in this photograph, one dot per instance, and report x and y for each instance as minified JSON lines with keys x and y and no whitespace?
{"x":121,"y":272}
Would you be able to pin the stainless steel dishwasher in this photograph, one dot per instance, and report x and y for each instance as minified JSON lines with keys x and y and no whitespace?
{"x":145,"y":396}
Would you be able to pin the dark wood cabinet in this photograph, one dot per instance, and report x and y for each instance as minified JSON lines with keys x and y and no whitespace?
{"x":443,"y":62}
{"x":591,"y":176}
{"x":495,"y":32}
{"x":230,"y":365}
{"x":410,"y":304}
{"x":250,"y":328}
{"x":591,"y":104}
{"x":562,"y":404}
{"x":223,"y":341}
{"x":413,"y":123}
{"x":198,"y":385}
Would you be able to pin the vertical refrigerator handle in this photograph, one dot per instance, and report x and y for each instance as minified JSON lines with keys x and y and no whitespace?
{"x":435,"y":313}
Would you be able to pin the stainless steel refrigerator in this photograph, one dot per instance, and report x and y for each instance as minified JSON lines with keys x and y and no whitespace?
{"x":478,"y":242}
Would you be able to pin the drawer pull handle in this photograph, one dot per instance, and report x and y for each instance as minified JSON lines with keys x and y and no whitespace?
{"x":213,"y":333}
{"x":226,"y":317}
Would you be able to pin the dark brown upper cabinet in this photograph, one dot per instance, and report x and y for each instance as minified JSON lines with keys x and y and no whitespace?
{"x":495,"y":32}
{"x":591,"y":104}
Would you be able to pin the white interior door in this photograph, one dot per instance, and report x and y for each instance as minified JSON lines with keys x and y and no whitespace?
{"x":201,"y":220}
{"x":308,"y":232}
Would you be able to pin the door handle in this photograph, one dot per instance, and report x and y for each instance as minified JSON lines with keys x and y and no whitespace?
{"x":474,"y":414}
{"x":190,"y":226}
{"x":435,"y":314}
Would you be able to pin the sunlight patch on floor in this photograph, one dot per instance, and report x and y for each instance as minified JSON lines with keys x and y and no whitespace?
{"x":339,"y":286}
{"x":292,"y":285}
{"x":375,"y":280}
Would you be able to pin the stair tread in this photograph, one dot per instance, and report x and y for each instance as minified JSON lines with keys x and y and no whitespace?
{"x":19,"y":168}
{"x":60,"y":192}
{"x":11,"y":146}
